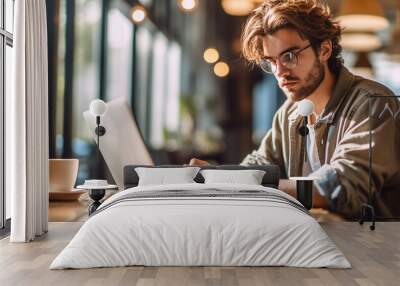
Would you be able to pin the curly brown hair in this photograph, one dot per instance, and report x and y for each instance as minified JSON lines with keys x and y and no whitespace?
{"x":312,"y":19}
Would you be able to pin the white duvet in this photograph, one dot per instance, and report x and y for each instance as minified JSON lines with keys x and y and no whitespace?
{"x":190,"y":231}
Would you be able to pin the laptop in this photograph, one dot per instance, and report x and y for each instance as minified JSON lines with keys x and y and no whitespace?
{"x":122,"y":144}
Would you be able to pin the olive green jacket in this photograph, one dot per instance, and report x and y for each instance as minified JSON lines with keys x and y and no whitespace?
{"x":343,"y":141}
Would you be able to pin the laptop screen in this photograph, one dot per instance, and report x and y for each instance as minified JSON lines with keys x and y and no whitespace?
{"x":122,"y":144}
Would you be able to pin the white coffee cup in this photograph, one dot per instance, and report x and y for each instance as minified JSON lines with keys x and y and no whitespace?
{"x":62,"y":174}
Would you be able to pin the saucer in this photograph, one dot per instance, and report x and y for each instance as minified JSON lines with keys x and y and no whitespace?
{"x":90,"y":187}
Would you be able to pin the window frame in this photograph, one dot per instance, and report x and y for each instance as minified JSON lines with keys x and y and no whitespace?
{"x":6,"y":39}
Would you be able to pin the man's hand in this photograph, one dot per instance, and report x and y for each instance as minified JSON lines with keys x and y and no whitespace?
{"x":289,"y":187}
{"x":198,"y":162}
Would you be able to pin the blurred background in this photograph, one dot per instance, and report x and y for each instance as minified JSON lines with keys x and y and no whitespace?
{"x":178,"y":63}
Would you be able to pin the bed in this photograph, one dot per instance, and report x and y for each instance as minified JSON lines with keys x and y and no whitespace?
{"x":198,"y":224}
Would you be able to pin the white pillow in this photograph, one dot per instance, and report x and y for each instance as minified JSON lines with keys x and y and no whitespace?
{"x":248,"y":177}
{"x":162,"y":176}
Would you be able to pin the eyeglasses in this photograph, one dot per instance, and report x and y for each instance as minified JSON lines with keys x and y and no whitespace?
{"x":288,"y":59}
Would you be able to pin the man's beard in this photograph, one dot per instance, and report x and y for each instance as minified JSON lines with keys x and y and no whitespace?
{"x":312,"y":82}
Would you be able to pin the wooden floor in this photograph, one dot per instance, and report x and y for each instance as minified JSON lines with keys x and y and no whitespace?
{"x":375,"y":257}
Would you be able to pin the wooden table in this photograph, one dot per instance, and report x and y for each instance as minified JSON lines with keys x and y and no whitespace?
{"x":72,"y":211}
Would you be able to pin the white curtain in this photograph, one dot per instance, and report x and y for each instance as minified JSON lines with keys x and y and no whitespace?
{"x":27,"y":124}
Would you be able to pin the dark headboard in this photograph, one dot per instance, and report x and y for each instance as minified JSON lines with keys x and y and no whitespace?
{"x":270,"y":179}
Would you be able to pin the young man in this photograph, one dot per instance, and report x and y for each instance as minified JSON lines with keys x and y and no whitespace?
{"x":298,"y":42}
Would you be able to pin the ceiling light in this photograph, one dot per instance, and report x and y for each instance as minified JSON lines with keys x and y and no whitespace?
{"x":363,"y":61}
{"x":360,"y":42}
{"x":211,"y":55}
{"x":188,"y":5}
{"x":237,"y":7}
{"x":221,"y":69}
{"x":138,"y":14}
{"x":362,"y":66}
{"x":394,"y":47}
{"x":393,"y":50}
{"x":366,"y":16}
